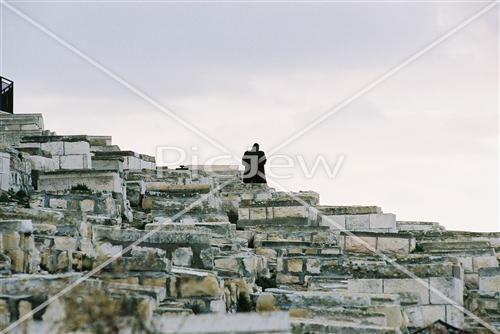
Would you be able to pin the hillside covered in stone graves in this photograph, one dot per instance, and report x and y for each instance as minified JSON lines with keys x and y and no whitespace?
{"x":97,"y":239}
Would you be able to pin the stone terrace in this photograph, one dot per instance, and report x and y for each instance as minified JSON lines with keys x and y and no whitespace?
{"x":247,"y":259}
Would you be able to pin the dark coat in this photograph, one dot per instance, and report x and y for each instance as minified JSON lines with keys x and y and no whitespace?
{"x":254,"y":167}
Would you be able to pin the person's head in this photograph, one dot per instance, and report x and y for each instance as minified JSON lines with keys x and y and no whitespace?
{"x":255,"y":147}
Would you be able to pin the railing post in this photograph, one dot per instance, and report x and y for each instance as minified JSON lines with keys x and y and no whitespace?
{"x":6,"y":95}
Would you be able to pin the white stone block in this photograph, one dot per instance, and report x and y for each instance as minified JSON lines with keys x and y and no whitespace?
{"x":4,"y":162}
{"x":484,"y":262}
{"x":454,"y":316}
{"x":87,"y":161}
{"x":357,"y":222}
{"x":71,"y":161}
{"x":415,"y":315}
{"x":432,"y":313}
{"x":87,"y":205}
{"x":218,"y":306}
{"x":290,"y":211}
{"x":43,"y":163}
{"x":471,"y":279}
{"x":243,"y":213}
{"x":65,"y":243}
{"x":408,"y":285}
{"x":313,"y":266}
{"x":466,"y":263}
{"x":383,"y":220}
{"x":79,"y":147}
{"x":58,"y":203}
{"x":132,"y":163}
{"x":335,"y":222}
{"x":5,"y":181}
{"x":54,"y":147}
{"x":357,"y":244}
{"x":258,"y":213}
{"x":228,"y":264}
{"x":365,"y":285}
{"x":450,"y":287}
{"x":106,"y":249}
{"x":183,"y":257}
{"x":489,"y":283}
{"x":393,"y":245}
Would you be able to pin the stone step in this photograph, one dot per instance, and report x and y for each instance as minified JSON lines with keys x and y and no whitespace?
{"x":173,"y":311}
{"x":327,"y":283}
{"x":438,"y":247}
{"x":348,"y":210}
{"x":239,"y":323}
{"x":312,"y":326}
{"x":280,"y":222}
{"x":16,"y":225}
{"x":286,"y":244}
{"x":157,"y":293}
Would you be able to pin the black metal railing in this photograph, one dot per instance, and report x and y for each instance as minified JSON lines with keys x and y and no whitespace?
{"x":7,"y":95}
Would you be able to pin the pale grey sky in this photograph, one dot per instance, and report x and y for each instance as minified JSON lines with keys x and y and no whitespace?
{"x":424,"y":144}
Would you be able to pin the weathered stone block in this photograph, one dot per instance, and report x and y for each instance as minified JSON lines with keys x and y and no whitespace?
{"x":313,"y":266}
{"x":454,"y":316}
{"x":295,"y":265}
{"x":266,"y":303}
{"x":160,"y":281}
{"x":489,"y":279}
{"x":11,"y":241}
{"x":287,"y":279}
{"x":183,"y":257}
{"x":106,"y":249}
{"x":432,"y":313}
{"x":243,"y":213}
{"x":199,"y":286}
{"x":4,"y":314}
{"x":44,"y":229}
{"x":16,"y":225}
{"x":258,"y":213}
{"x":383,"y":221}
{"x":105,"y":181}
{"x":484,"y":262}
{"x":238,"y":323}
{"x":250,"y":264}
{"x":290,"y":211}
{"x":87,"y":247}
{"x":58,"y":203}
{"x":74,"y":161}
{"x":55,"y":147}
{"x":360,"y":244}
{"x":228,"y":264}
{"x":394,"y":245}
{"x":450,"y":287}
{"x":363,"y":285}
{"x":87,"y":205}
{"x":77,"y":147}
{"x":408,"y":285}
{"x":65,"y":243}
{"x":357,"y":222}
{"x":335,"y":222}
{"x":17,"y":260}
{"x":466,"y":263}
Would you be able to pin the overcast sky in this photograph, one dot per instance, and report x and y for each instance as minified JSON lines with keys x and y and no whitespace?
{"x":423,"y":144}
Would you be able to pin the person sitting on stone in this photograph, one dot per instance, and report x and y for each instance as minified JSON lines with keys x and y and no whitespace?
{"x":254,"y":161}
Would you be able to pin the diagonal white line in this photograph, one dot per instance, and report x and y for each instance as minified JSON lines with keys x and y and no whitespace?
{"x":113,"y":75}
{"x":389,"y":260}
{"x":369,"y":87}
{"x":115,"y":256}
